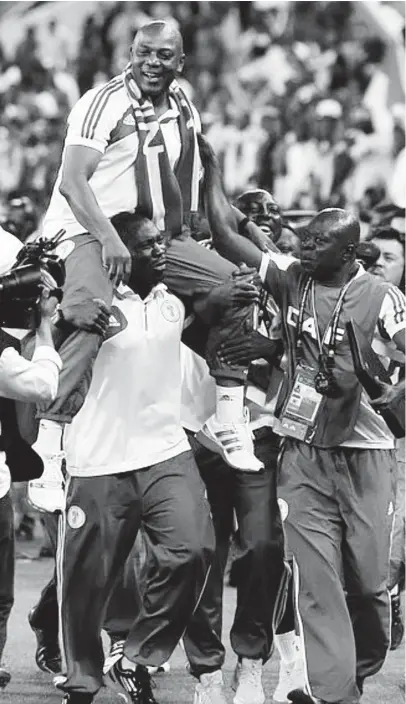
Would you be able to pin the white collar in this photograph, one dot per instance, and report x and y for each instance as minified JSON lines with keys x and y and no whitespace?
{"x":124,"y":291}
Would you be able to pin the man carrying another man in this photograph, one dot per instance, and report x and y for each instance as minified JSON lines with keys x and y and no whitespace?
{"x":132,"y":144}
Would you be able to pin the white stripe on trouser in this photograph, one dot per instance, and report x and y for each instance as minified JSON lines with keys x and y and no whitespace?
{"x":60,"y":554}
{"x":281,"y":597}
{"x":194,"y":201}
{"x":392,"y":530}
{"x":296,"y":587}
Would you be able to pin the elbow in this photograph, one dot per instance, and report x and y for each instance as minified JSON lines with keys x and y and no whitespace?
{"x":46,"y":394}
{"x":65,"y":188}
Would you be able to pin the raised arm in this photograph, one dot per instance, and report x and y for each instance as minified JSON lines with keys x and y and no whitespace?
{"x":223,"y":219}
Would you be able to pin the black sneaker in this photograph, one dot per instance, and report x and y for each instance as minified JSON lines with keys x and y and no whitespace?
{"x":397,"y":627}
{"x":77,"y":698}
{"x":48,"y":654}
{"x":5,"y":677}
{"x":134,"y":686}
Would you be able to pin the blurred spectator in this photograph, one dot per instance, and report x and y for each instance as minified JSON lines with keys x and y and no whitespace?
{"x":390,"y":266}
{"x":56,"y":50}
{"x":11,"y":162}
{"x":27,"y":52}
{"x":90,"y":59}
{"x":20,"y":218}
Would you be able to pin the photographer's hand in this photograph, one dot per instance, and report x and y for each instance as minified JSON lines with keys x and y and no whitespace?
{"x":47,"y":308}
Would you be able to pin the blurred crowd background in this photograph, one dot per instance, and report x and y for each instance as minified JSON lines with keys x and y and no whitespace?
{"x":305,"y":99}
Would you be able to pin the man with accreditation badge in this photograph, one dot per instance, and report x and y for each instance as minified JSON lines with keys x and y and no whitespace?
{"x":338,"y":461}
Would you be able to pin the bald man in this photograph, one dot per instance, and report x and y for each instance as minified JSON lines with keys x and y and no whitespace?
{"x":337,"y":462}
{"x":132,"y":144}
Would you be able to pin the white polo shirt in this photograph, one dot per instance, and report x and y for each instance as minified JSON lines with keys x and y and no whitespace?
{"x":103,"y":120}
{"x":131,"y":415}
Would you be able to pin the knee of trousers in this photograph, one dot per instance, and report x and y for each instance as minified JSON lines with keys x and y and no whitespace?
{"x":192,"y":554}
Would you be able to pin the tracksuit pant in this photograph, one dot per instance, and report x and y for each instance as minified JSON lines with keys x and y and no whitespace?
{"x":192,"y":271}
{"x":262,"y":586}
{"x":337,"y":507}
{"x":397,"y":553}
{"x":7,"y":551}
{"x":123,"y":604}
{"x":98,"y":530}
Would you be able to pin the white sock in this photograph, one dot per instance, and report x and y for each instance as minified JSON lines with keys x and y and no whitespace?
{"x":50,"y":436}
{"x":286,"y":646}
{"x":229,"y":404}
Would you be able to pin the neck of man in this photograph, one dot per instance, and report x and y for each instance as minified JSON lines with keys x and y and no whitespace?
{"x":141,"y":288}
{"x":339,"y":277}
{"x":160,"y":102}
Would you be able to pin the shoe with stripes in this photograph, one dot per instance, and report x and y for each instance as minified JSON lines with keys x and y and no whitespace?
{"x":133,"y":686}
{"x":233,"y":441}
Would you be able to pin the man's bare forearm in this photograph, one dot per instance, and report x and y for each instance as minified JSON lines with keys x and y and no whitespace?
{"x":223,"y":224}
{"x":86,"y":210}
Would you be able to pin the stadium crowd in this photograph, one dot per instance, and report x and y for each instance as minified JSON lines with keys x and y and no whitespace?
{"x":258,"y":418}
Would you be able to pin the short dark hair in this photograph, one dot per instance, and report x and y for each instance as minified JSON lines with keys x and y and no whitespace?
{"x":129,"y":224}
{"x":387,"y":233}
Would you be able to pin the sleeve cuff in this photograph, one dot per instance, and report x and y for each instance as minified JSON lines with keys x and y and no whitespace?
{"x":47,"y":353}
{"x":83,"y":142}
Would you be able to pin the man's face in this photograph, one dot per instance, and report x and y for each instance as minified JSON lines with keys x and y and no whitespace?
{"x":156,"y":58}
{"x":321,"y":251}
{"x":390,"y":265}
{"x":148,"y":255}
{"x":261,"y":208}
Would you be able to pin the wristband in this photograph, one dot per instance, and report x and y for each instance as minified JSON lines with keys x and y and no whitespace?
{"x":242,"y":225}
{"x":61,"y":323}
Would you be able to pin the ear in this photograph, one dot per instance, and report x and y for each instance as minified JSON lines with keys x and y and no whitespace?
{"x":349,"y":252}
{"x":181,"y":63}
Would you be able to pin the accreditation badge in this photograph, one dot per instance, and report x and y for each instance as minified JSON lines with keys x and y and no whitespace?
{"x":301,"y":409}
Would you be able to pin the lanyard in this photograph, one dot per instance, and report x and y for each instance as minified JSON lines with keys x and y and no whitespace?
{"x":332,"y":323}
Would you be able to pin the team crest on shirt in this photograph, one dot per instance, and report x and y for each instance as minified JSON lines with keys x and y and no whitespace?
{"x":170,"y":311}
{"x":76,"y":517}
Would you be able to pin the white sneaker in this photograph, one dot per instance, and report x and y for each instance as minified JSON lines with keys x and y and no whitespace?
{"x":233,"y":441}
{"x":47,"y":492}
{"x":248,"y":681}
{"x":210,"y":689}
{"x":291,"y":676}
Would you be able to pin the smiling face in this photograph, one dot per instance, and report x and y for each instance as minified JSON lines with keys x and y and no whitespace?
{"x":156,"y":58}
{"x":261,"y":207}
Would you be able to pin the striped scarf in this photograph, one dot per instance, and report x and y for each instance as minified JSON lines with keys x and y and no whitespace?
{"x":166,"y":196}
